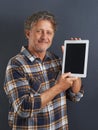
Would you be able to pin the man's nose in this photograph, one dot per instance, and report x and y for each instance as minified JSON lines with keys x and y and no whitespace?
{"x":44,"y":35}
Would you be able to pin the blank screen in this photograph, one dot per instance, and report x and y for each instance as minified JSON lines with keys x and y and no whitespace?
{"x":74,"y":58}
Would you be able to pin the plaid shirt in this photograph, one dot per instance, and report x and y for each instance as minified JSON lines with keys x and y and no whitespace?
{"x":26,"y":78}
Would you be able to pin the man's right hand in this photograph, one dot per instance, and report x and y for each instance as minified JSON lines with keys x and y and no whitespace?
{"x":65,"y":81}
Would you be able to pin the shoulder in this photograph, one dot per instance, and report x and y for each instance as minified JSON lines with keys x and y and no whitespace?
{"x":16,"y":60}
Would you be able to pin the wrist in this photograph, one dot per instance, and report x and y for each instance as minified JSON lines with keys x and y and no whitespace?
{"x":75,"y":89}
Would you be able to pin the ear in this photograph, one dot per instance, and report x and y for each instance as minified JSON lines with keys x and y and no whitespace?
{"x":27,"y":33}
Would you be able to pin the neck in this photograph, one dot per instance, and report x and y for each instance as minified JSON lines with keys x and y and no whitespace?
{"x":38,"y":54}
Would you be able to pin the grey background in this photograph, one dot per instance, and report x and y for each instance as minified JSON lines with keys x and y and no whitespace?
{"x":76,"y":18}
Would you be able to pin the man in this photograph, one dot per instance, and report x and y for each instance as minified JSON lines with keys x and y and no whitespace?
{"x":36,"y":91}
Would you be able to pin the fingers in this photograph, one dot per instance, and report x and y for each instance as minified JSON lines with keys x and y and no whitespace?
{"x":66,"y":75}
{"x":66,"y":81}
{"x":71,"y":83}
{"x":72,"y":38}
{"x":75,"y":38}
{"x":62,"y":48}
{"x":71,"y":80}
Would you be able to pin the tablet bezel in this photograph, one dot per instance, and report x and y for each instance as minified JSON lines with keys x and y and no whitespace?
{"x":86,"y":42}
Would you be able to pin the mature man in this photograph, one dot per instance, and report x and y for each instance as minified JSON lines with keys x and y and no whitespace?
{"x":36,"y":90}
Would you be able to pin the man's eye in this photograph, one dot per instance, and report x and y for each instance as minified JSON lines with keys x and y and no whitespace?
{"x":49,"y":33}
{"x":38,"y":31}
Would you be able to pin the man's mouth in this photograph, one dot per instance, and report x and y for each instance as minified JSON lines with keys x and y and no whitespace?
{"x":43,"y":42}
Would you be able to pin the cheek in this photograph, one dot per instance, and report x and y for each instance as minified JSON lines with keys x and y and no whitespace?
{"x":36,"y":37}
{"x":51,"y":39}
{"x":33,"y":37}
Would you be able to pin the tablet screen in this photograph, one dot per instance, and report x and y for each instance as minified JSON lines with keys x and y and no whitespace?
{"x":75,"y":57}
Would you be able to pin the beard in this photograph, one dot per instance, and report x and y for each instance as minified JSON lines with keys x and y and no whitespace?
{"x":40,"y":49}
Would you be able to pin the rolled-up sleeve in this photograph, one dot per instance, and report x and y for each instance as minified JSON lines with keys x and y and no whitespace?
{"x":75,"y":97}
{"x":22,"y":99}
{"x":37,"y":101}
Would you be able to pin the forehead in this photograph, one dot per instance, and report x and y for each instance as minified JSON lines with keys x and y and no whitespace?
{"x":43,"y":24}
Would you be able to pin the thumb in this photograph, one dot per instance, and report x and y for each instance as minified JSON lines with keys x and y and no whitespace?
{"x":62,"y":48}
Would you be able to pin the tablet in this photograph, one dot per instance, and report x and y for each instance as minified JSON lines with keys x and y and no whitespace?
{"x":75,"y":57}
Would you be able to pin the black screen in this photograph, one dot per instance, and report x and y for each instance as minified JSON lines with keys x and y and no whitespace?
{"x":75,"y":56}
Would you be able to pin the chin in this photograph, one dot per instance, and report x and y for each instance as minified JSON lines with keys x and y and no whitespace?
{"x":42,"y":49}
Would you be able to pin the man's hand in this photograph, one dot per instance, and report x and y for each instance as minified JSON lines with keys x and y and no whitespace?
{"x":76,"y":86}
{"x":66,"y":81}
{"x":75,"y":38}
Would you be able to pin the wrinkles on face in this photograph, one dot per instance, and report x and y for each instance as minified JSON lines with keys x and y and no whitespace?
{"x":41,"y":36}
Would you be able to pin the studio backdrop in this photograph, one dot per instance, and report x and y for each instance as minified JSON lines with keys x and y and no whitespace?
{"x":75,"y":18}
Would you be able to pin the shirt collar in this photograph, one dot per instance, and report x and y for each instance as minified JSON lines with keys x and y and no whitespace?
{"x":33,"y":57}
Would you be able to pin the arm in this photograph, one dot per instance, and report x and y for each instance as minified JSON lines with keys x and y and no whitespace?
{"x":63,"y":83}
{"x":76,"y":92}
{"x":76,"y":86}
{"x":23,"y":100}
{"x":19,"y":92}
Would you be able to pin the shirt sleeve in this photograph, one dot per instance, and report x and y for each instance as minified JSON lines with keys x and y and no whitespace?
{"x":75,"y":97}
{"x":18,"y":90}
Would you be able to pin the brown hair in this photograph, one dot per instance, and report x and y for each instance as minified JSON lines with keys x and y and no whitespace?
{"x":41,"y":15}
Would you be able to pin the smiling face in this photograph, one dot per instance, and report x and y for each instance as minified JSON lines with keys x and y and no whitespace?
{"x":40,"y":37}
